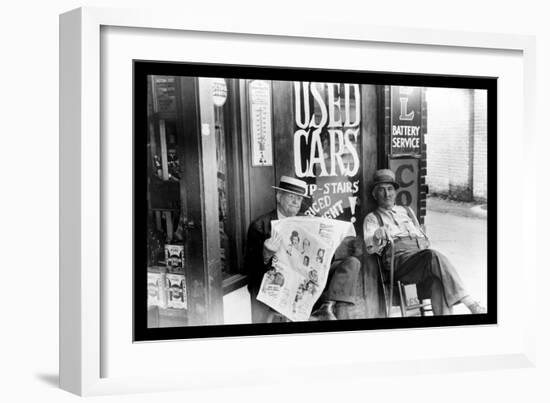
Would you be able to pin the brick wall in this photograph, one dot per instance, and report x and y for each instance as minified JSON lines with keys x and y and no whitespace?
{"x":457,"y":143}
{"x":480,"y":145}
{"x":423,"y":160}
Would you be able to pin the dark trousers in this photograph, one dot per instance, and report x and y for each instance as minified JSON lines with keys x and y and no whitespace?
{"x":342,"y":281}
{"x":415,"y":263}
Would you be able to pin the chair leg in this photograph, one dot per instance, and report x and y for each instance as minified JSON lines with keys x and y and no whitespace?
{"x":425,"y":308}
{"x":401,"y":299}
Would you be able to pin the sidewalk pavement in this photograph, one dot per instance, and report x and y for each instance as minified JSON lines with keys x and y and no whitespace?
{"x":459,"y":230}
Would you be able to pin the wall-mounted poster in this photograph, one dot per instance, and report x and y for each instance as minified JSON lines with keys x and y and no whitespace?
{"x":407,"y":176}
{"x":406,"y":114}
{"x":327,"y":146}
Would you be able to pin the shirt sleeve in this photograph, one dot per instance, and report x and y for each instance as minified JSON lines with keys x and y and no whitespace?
{"x":417,"y":224}
{"x":412,"y":217}
{"x":370,"y":224}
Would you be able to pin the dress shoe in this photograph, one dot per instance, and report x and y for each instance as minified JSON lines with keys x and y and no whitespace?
{"x":325,"y":312}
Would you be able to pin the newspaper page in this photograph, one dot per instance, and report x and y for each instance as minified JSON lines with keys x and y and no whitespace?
{"x":300,"y":267}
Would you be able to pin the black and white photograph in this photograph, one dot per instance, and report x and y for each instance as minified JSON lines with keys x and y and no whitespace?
{"x":272,"y":200}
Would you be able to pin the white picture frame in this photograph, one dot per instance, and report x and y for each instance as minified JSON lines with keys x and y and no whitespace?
{"x":89,"y":364}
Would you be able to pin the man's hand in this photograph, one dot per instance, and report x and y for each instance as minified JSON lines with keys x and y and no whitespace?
{"x":272,"y":244}
{"x":380,"y":235}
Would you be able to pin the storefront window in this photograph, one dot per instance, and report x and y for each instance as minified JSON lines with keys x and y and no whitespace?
{"x":327,"y":134}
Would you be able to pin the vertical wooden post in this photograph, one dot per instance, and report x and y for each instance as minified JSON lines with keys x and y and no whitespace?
{"x":372,"y":109}
{"x":369,"y":145}
{"x":283,"y":128}
{"x":210,"y":203}
{"x":198,"y":188}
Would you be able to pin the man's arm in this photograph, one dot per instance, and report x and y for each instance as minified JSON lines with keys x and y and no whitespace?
{"x":371,"y":232}
{"x":270,"y":246}
{"x":254,"y":259}
{"x":416,"y":223}
{"x":412,"y":216}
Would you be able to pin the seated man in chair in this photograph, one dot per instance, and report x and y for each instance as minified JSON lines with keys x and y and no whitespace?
{"x":262,"y":244}
{"x":414,"y":261}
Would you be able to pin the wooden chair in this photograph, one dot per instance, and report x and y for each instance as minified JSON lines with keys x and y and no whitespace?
{"x":403,"y":295}
{"x":409,"y":302}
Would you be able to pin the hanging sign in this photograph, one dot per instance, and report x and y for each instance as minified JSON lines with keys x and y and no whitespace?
{"x":407,"y":176}
{"x":405,"y":120}
{"x":164,"y":94}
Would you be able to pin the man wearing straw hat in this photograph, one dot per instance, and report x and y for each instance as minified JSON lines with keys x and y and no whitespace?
{"x":396,"y":227}
{"x":261,"y":246}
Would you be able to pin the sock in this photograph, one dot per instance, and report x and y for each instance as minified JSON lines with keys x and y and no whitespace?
{"x":467,"y":300}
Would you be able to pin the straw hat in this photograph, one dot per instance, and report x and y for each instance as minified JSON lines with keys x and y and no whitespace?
{"x":292,"y":185}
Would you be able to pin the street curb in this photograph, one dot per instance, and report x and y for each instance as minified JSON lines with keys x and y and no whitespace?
{"x":479,"y":211}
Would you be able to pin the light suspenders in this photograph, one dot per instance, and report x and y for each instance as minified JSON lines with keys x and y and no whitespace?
{"x":410,"y":213}
{"x":379,"y":217}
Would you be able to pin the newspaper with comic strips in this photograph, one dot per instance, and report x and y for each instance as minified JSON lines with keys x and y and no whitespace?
{"x":300,"y":267}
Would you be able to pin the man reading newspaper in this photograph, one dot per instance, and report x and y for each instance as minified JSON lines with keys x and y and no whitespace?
{"x":296,"y":261}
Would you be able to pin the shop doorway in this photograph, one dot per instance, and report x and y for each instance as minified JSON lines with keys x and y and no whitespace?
{"x":195,"y":201}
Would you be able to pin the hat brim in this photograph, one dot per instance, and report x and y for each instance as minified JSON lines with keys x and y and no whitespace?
{"x":395,"y":184}
{"x":290,"y":191}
